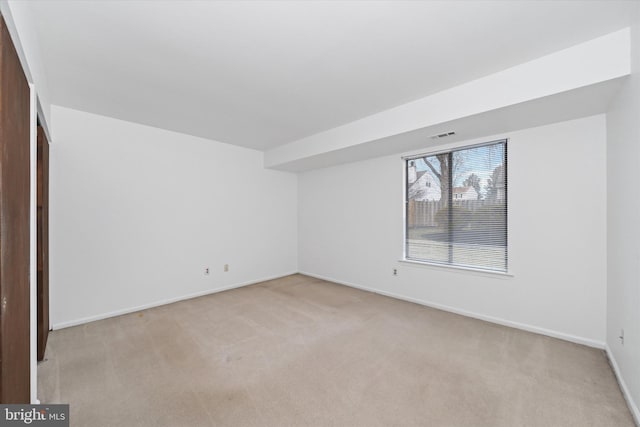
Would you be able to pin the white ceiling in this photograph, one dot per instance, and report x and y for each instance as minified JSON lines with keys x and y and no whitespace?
{"x":261,"y":74}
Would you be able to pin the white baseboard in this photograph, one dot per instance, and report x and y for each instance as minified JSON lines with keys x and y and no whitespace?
{"x":623,"y":386}
{"x":128,"y":310}
{"x":529,"y":328}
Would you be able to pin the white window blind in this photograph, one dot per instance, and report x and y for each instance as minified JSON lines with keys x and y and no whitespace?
{"x":456,"y":207}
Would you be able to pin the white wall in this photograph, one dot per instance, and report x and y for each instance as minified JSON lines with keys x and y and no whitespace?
{"x":623,"y":162}
{"x":33,"y":246}
{"x":138,"y":212}
{"x":351,"y":228}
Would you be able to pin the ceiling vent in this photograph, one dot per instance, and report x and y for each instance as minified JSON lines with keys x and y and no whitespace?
{"x":442,"y":135}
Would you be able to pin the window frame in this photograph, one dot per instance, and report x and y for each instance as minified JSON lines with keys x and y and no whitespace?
{"x":449,"y":265}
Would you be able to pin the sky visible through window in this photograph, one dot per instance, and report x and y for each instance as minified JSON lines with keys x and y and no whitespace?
{"x":463,"y":222}
{"x":481,"y":161}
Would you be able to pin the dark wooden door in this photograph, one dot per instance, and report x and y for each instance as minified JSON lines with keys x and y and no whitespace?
{"x":14,"y":225}
{"x":43,"y":242}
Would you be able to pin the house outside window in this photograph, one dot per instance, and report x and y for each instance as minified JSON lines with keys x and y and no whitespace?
{"x":456,"y":207}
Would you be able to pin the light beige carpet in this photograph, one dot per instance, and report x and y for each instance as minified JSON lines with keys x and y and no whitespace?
{"x":300,"y":351}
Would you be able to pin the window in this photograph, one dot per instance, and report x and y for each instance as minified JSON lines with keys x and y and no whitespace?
{"x":461,"y":219}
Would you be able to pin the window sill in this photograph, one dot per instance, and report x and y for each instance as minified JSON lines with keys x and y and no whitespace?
{"x":456,"y":268}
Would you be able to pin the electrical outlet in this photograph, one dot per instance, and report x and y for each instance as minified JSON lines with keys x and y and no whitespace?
{"x":206,"y":271}
{"x":226,"y":268}
{"x":621,"y":336}
{"x":395,"y":271}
